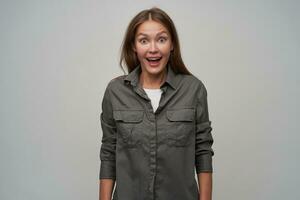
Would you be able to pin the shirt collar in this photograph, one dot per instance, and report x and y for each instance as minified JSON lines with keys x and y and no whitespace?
{"x":133,"y":77}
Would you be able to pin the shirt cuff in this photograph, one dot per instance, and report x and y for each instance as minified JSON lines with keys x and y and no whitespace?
{"x":107,"y":169}
{"x":204,"y":163}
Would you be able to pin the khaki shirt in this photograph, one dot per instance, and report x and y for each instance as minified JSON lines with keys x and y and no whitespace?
{"x":154,"y":155}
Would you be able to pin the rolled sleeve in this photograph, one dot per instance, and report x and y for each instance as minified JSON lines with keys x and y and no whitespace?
{"x":204,"y":139}
{"x":108,"y":146}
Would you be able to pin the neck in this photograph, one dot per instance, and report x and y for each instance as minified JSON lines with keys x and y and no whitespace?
{"x":152,"y":81}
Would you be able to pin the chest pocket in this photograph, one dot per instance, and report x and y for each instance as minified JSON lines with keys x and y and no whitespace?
{"x":181,"y":126}
{"x":128,"y":124}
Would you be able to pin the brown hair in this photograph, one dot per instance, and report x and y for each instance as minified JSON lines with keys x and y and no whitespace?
{"x":128,"y":56}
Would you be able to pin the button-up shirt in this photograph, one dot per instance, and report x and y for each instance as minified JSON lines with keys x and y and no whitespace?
{"x":154,"y":155}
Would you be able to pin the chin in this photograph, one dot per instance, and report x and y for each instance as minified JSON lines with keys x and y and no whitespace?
{"x":154,"y":70}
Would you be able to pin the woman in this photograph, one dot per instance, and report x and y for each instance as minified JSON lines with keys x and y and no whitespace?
{"x":155,"y":122}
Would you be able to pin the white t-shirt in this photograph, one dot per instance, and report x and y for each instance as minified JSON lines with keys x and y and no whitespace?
{"x":154,"y":95}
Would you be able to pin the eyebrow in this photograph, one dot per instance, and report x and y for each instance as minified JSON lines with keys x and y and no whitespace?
{"x":156,"y":34}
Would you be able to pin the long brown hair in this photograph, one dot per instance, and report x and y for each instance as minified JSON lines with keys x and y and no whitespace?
{"x":128,"y":56}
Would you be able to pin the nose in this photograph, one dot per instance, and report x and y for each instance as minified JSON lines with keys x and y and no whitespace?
{"x":153,"y":47}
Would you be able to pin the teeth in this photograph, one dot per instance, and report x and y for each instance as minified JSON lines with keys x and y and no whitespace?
{"x":153,"y":59}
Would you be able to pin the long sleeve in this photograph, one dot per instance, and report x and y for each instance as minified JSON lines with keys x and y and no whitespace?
{"x":108,"y":146}
{"x":204,"y":139}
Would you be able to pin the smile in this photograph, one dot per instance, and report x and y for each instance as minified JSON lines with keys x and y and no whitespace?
{"x":154,"y":59}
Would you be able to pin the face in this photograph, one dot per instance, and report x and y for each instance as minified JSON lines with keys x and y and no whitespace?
{"x":152,"y":46}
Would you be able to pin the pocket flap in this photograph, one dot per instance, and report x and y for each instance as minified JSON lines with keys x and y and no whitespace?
{"x":128,"y":115}
{"x":184,"y":114}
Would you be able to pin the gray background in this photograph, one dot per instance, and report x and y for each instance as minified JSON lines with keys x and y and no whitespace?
{"x":57,"y":57}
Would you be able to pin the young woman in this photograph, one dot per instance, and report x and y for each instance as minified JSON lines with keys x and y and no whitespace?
{"x":155,"y":122}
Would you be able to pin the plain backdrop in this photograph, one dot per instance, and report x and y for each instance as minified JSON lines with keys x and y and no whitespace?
{"x":57,"y":57}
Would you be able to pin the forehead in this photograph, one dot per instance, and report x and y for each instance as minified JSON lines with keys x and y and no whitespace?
{"x":150,"y":27}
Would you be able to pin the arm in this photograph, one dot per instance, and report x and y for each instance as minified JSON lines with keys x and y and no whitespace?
{"x":204,"y":141}
{"x":105,"y":188}
{"x":107,"y":174}
{"x":205,"y":185}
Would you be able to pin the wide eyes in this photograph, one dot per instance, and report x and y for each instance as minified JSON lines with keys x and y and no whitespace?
{"x":160,"y":40}
{"x":143,"y":41}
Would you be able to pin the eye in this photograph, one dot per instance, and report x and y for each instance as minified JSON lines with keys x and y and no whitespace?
{"x":143,"y":41}
{"x":162,"y":39}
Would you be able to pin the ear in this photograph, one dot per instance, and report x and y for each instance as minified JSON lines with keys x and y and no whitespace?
{"x":133,"y":47}
{"x":172,"y":48}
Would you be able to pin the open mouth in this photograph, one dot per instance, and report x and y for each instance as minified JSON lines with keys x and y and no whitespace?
{"x":154,"y":59}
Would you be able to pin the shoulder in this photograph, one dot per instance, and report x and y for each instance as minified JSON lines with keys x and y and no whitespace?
{"x":192,"y":80}
{"x":115,"y":82}
{"x":195,"y":85}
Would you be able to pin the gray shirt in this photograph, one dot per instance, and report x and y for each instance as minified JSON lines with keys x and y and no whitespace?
{"x":154,"y":155}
